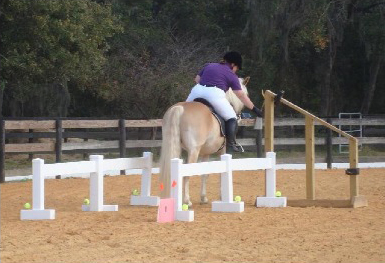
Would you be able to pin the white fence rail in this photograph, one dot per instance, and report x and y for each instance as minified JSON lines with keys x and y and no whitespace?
{"x":226,"y":166}
{"x":96,"y":167}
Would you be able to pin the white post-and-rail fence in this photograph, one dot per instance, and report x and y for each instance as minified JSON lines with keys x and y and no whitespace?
{"x":226,"y":166}
{"x":96,"y":167}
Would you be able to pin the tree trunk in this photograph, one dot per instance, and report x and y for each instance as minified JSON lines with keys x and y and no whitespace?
{"x":326,"y":92}
{"x":1,"y":101}
{"x":369,"y":92}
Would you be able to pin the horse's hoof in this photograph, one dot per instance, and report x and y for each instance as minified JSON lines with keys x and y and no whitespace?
{"x":204,"y":200}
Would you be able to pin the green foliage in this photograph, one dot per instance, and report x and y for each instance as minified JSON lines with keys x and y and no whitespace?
{"x":136,"y":58}
{"x":48,"y":43}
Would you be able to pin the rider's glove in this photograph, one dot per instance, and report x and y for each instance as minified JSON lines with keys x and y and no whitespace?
{"x":258,"y":112}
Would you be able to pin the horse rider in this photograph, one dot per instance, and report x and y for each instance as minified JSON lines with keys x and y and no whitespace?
{"x":212,"y":83}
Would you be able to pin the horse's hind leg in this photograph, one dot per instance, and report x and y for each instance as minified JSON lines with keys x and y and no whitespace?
{"x":204,"y":178}
{"x":192,"y":158}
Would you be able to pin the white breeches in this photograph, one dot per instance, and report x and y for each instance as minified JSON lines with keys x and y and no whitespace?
{"x":216,"y":97}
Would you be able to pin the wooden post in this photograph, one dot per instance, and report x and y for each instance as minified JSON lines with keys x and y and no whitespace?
{"x":2,"y":151}
{"x":258,"y":139}
{"x":122,"y":141}
{"x":310,"y":156}
{"x":86,"y":155}
{"x":269,"y":121}
{"x":353,"y":159}
{"x":355,"y":199}
{"x":329,"y":146}
{"x":30,"y":140}
{"x":58,"y":144}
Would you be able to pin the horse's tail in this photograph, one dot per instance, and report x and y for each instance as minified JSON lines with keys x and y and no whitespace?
{"x":171,"y":146}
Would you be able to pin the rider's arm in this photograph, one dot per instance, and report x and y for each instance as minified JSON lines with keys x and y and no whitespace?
{"x":197,"y":79}
{"x":242,"y":96}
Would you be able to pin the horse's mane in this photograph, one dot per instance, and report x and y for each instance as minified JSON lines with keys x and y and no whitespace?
{"x":233,"y":99}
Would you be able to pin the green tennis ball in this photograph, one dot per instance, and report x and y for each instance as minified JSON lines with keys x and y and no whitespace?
{"x":27,"y":206}
{"x":237,"y":198}
{"x":86,"y":201}
{"x":185,"y":207}
{"x":278,"y":194}
{"x":135,"y":192}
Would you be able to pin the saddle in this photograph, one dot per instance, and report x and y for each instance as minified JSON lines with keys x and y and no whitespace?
{"x":221,"y":121}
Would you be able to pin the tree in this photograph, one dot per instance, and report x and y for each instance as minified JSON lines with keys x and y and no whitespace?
{"x":371,"y":15}
{"x":44,"y":46}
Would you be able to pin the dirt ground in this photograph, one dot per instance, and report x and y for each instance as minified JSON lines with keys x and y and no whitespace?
{"x":325,"y":230}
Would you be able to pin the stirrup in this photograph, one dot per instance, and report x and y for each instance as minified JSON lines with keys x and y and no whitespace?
{"x":240,"y":147}
{"x":235,"y":147}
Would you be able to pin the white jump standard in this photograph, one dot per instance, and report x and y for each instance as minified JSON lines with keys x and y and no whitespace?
{"x":270,"y":200}
{"x":38,"y":211}
{"x":227,"y":203}
{"x":97,"y":188}
{"x":145,"y":198}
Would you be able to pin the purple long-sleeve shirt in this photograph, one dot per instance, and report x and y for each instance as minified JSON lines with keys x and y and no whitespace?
{"x":219,"y":75}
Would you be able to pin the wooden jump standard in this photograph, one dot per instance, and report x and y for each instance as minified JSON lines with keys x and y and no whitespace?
{"x":355,"y":199}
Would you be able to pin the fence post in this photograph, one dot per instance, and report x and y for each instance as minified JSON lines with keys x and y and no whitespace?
{"x":97,"y":188}
{"x":85,"y":155}
{"x":310,"y":153}
{"x":353,"y":160}
{"x":122,"y":141}
{"x":269,"y":121}
{"x":270,"y":176}
{"x":2,"y":151}
{"x":258,"y":128}
{"x":30,"y":140}
{"x":96,"y":184}
{"x":176,"y":192}
{"x":38,"y":211}
{"x":355,"y":198}
{"x":329,"y":146}
{"x":227,"y":180}
{"x":58,"y":144}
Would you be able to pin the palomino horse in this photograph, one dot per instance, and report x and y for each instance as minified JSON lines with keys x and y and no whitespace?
{"x":191,"y":126}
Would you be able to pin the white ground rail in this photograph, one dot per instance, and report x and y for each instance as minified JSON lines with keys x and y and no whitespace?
{"x":96,"y":167}
{"x":226,"y":166}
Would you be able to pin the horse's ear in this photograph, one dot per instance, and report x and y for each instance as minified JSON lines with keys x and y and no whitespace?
{"x":246,"y":81}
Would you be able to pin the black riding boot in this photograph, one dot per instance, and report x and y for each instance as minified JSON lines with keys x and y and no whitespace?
{"x":231,"y":130}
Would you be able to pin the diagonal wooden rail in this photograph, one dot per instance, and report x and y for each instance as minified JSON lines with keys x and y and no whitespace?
{"x":355,"y":199}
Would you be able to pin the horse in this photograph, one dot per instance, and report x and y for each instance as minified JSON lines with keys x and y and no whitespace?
{"x":191,"y":126}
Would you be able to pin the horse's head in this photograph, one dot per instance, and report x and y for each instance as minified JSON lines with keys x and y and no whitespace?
{"x":233,"y":99}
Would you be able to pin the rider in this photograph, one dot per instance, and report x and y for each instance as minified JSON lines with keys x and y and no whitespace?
{"x":213,"y":81}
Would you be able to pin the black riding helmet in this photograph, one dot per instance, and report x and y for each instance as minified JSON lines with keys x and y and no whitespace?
{"x":234,"y":57}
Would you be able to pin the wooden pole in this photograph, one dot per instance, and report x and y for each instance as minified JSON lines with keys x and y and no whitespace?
{"x":310,"y":156}
{"x":269,"y":121}
{"x":356,"y":199}
{"x":353,"y":159}
{"x":306,"y":113}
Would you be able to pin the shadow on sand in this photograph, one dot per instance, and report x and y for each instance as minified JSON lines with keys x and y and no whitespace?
{"x":320,"y":203}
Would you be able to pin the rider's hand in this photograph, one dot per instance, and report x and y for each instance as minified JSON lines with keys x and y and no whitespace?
{"x":258,"y":112}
